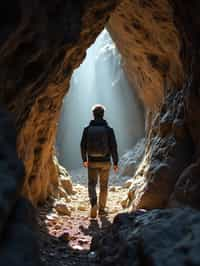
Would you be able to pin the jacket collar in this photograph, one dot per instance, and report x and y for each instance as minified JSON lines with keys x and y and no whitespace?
{"x":98,"y":122}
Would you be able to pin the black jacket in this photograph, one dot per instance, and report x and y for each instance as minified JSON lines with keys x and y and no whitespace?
{"x":112,"y":144}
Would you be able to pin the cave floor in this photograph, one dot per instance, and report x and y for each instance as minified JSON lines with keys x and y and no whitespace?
{"x":70,"y":240}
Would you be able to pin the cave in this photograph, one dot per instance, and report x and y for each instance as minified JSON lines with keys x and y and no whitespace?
{"x":99,"y":79}
{"x":42,"y":43}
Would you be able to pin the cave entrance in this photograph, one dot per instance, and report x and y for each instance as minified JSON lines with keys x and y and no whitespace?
{"x":99,"y":79}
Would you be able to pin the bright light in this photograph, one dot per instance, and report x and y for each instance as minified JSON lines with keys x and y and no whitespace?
{"x":99,"y":79}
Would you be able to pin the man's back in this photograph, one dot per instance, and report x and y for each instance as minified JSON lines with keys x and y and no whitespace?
{"x":98,"y":142}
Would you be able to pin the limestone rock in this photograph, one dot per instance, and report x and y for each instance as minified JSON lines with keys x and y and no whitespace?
{"x":82,"y":207}
{"x":66,"y":184}
{"x":36,"y":65}
{"x":128,"y":183}
{"x":62,"y":208}
{"x":162,"y":237}
{"x":150,"y":51}
{"x":112,"y":189}
{"x":166,"y":155}
{"x":125,"y":203}
{"x":188,"y":186}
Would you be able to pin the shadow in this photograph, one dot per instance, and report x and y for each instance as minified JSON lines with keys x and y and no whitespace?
{"x":55,"y":248}
{"x":96,"y":230}
{"x":56,"y":243}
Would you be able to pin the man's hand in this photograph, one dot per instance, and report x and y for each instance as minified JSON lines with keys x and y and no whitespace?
{"x":85,"y":164}
{"x":115,"y":168}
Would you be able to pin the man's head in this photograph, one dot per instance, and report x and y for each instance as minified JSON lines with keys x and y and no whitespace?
{"x":98,"y":111}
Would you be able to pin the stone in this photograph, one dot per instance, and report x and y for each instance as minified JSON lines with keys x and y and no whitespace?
{"x":62,"y":208}
{"x":82,"y":208}
{"x":164,"y":237}
{"x":128,"y":183}
{"x":112,"y":189}
{"x":125,"y":203}
{"x":20,"y":245}
{"x":65,"y":236}
{"x":67,"y":184}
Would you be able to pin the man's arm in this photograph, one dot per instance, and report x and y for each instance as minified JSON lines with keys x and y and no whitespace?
{"x":84,"y":145}
{"x":113,"y":147}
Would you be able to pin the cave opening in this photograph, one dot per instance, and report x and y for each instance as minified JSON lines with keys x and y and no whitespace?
{"x":99,"y":79}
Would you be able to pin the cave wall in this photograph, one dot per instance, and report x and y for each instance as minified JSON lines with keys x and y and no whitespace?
{"x":40,"y":45}
{"x":159,"y":41}
{"x":150,"y":44}
{"x":41,"y":42}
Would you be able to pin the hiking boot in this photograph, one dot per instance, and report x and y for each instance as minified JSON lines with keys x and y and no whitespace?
{"x":93,"y":212}
{"x":103,"y":212}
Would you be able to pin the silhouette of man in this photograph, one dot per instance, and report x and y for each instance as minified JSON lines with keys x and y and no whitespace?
{"x":98,"y":145}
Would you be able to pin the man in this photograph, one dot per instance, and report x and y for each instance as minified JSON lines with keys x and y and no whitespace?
{"x":98,"y":145}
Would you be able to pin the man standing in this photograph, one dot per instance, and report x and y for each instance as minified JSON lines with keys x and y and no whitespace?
{"x":98,"y":145}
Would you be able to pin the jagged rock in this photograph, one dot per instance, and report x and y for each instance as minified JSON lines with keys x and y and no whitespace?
{"x":20,"y":244}
{"x":125,"y":203}
{"x":66,"y":184}
{"x":188,"y":186}
{"x":36,"y":62}
{"x":128,"y":183}
{"x":150,"y":50}
{"x":62,"y":208}
{"x":112,"y":189}
{"x":158,"y":237}
{"x":166,"y":156}
{"x":82,"y":207}
{"x":60,"y":193}
{"x":11,"y":168}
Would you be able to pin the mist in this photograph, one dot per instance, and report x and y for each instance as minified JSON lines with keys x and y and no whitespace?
{"x":99,"y":79}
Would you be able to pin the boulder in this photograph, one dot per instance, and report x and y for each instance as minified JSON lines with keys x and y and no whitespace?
{"x":67,"y":184}
{"x":159,"y":237}
{"x":62,"y":208}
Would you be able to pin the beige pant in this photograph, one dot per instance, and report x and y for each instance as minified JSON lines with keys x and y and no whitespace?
{"x":101,"y":170}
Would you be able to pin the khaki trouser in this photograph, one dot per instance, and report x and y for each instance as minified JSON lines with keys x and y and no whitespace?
{"x":100,"y":169}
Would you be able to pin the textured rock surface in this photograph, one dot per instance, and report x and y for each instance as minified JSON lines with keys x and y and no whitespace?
{"x":41,"y":43}
{"x":11,"y":168}
{"x":169,"y":150}
{"x":160,"y":45}
{"x":20,"y":245}
{"x":157,"y":238}
{"x":150,"y":44}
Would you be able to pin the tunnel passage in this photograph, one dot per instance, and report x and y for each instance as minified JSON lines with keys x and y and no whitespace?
{"x":158,"y":41}
{"x":99,"y":79}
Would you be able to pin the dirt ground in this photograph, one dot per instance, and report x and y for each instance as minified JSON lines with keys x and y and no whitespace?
{"x":66,"y":240}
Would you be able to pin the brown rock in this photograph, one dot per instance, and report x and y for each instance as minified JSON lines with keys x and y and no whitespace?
{"x":62,"y":208}
{"x":66,"y":184}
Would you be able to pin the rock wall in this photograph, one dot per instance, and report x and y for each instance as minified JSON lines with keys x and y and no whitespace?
{"x":150,"y":43}
{"x":155,"y":39}
{"x":41,"y":42}
{"x":169,"y":30}
{"x":157,"y":238}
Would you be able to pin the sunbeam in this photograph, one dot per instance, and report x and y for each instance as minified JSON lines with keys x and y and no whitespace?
{"x":99,"y":79}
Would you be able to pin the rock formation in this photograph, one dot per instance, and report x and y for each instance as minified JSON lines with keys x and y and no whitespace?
{"x":150,"y":43}
{"x":41,"y":43}
{"x":157,"y":238}
{"x":159,"y":46}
